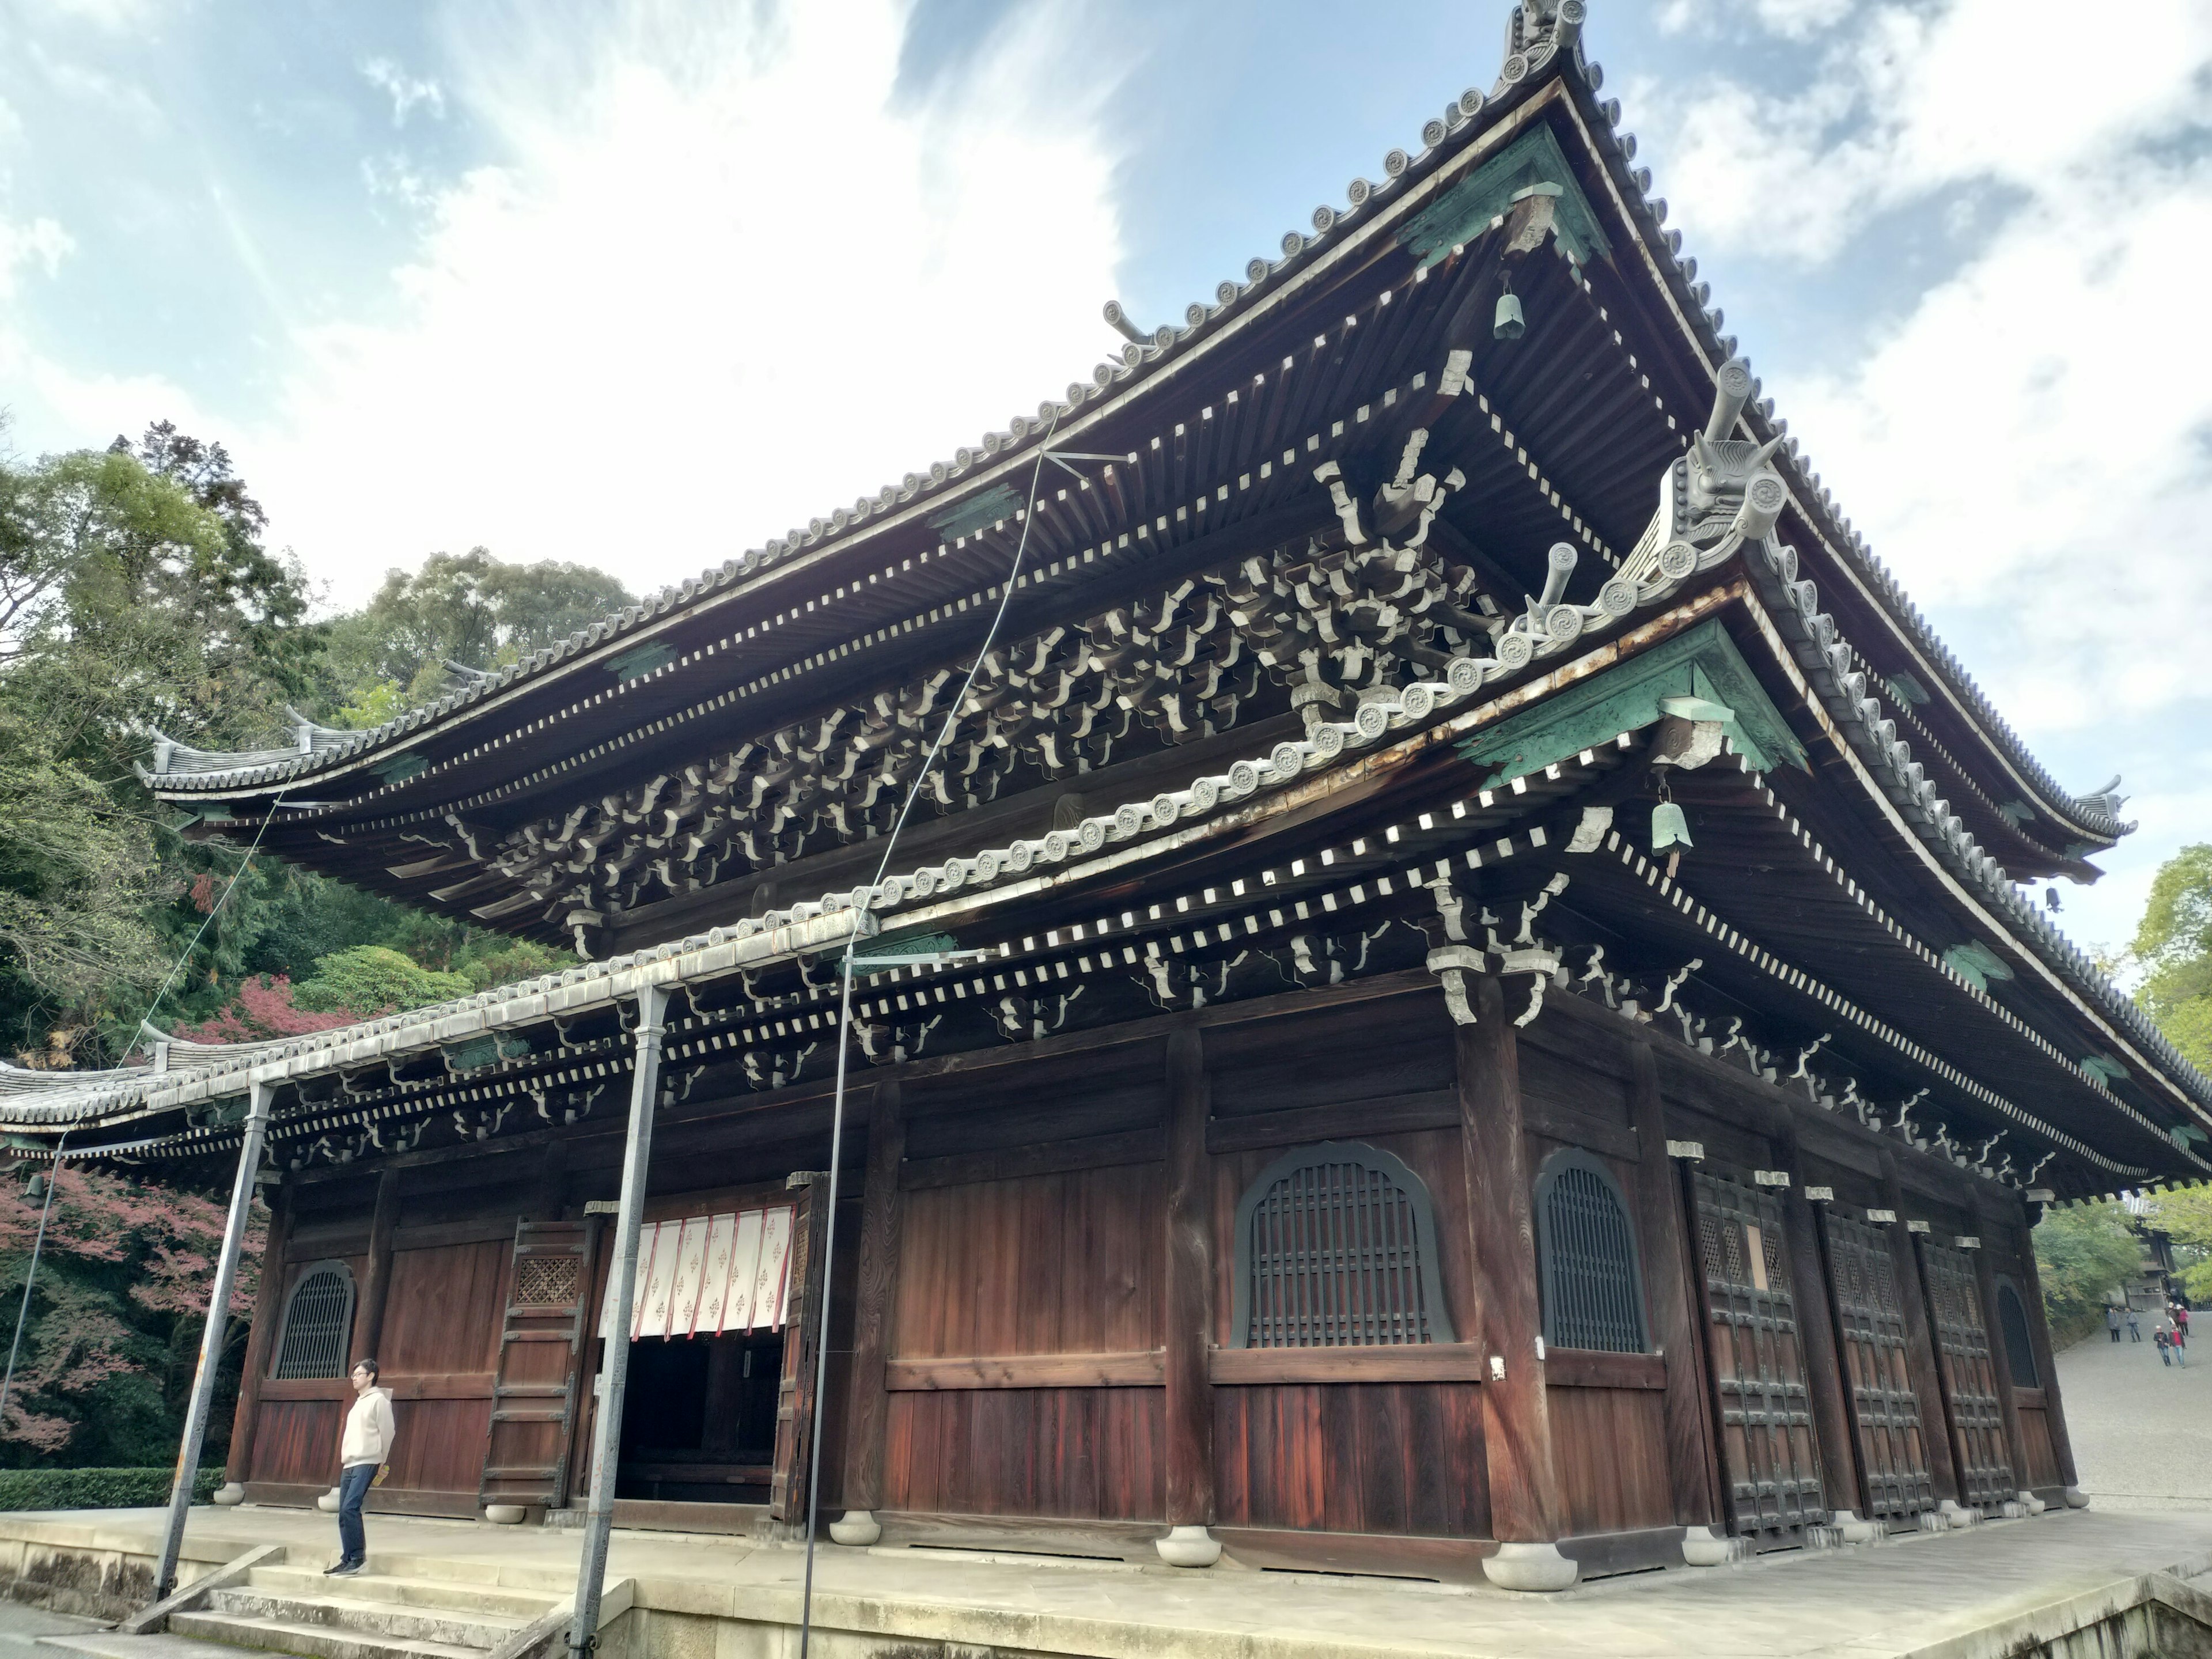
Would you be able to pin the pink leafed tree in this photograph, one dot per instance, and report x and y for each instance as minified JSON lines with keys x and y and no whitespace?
{"x":122,"y":1294}
{"x":262,"y":1009}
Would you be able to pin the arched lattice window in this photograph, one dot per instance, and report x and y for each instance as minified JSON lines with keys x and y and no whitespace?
{"x":1336,"y":1247}
{"x":318,"y":1323}
{"x":2020,"y":1348}
{"x":1593,"y":1294}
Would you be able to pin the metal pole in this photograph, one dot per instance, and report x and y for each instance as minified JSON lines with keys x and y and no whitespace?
{"x":218,"y":1322}
{"x":828,"y":1252}
{"x":622,"y":1291}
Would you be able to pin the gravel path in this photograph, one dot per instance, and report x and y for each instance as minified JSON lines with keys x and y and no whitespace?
{"x":2142,"y":1431}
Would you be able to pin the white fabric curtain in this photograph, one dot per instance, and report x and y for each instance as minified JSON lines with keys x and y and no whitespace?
{"x":706,"y":1273}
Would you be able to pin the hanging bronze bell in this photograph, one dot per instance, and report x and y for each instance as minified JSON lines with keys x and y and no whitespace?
{"x":1670,"y":827}
{"x":34,"y":1189}
{"x":1510,"y":324}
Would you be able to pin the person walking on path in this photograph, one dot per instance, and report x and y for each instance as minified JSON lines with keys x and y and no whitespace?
{"x":2181,"y":1321}
{"x":2165,"y":1353}
{"x":364,"y":1452}
{"x":2112,"y":1321}
{"x":2134,"y":1325}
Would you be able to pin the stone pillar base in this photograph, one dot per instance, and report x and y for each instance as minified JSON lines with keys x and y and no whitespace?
{"x":856,"y":1529}
{"x":1188,"y":1546}
{"x":1701,"y":1547}
{"x":2077,"y":1498}
{"x":1855,"y":1531}
{"x":328,"y":1502}
{"x":1530,"y":1567}
{"x":231,"y":1495}
{"x":2031,"y":1503}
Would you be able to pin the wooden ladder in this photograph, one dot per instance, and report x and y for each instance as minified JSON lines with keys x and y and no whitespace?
{"x":534,"y":1390}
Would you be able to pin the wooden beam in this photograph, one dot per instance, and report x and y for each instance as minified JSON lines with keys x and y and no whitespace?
{"x":1143,"y":1368}
{"x":1571,"y":1128}
{"x":1011,"y":1163}
{"x":1816,"y":1328}
{"x":2038,"y":1334}
{"x":1691,"y":1464}
{"x":268,"y":1309}
{"x":376,"y":1280}
{"x":1526,"y":1504}
{"x":868,"y":1407}
{"x":1920,"y":1357}
{"x":1400,"y":1362}
{"x":1591,"y":1368}
{"x":1189,"y":1263}
{"x":1389,"y":1115}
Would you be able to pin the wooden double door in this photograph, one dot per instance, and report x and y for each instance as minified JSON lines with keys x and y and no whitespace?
{"x":1761,"y":1401}
{"x":1769,"y":1467}
{"x":1880,"y":1391}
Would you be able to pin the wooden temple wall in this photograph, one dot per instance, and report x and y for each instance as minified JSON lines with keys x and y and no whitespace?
{"x":1037,"y":1288}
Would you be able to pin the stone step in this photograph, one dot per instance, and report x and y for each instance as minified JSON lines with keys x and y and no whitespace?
{"x":559,"y":1582}
{"x":310,"y":1641}
{"x":367,"y":1616}
{"x":522,"y":1605}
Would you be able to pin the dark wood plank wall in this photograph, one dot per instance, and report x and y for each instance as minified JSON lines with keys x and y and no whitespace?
{"x":1021,"y":1314}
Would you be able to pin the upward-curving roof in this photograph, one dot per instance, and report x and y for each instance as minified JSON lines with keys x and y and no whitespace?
{"x":2041,"y":820}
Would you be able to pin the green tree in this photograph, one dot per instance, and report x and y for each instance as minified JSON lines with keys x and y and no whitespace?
{"x":2186,"y":1216}
{"x":469,"y":608}
{"x":2174,"y":943}
{"x":2084,"y":1255}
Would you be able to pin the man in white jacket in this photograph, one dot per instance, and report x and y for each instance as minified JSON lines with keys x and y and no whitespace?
{"x":364,"y":1448}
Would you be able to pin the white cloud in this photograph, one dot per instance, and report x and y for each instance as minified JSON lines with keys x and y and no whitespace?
{"x":408,"y":93}
{"x":1910,"y":103}
{"x":41,"y":242}
{"x":724,"y":280}
{"x":2029,"y":437}
{"x":1793,"y":19}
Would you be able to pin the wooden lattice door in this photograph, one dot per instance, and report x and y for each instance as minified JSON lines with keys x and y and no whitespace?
{"x":1885,"y":1407}
{"x":802,"y":1338}
{"x":1770,"y":1469}
{"x":534,"y":1407}
{"x":1969,"y":1376}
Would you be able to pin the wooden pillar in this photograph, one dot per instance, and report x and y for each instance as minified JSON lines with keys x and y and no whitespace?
{"x":1816,"y":1328}
{"x":1693,"y":1467}
{"x":268,"y":1311}
{"x":550,"y":1198}
{"x":2038,"y":1332}
{"x":869,"y":1403}
{"x":1985,"y":1286}
{"x":1189,"y":1258}
{"x":376,"y":1281}
{"x":1527,"y":1513}
{"x":1920,"y":1357}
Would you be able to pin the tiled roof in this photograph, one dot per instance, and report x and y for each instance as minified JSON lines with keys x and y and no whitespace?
{"x":1543,"y":36}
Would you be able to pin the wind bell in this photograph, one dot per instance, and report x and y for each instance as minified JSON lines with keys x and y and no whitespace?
{"x":1510,"y":324}
{"x":1669,"y":828}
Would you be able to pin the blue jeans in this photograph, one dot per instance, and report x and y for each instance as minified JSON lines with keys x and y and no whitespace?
{"x":353,"y":1487}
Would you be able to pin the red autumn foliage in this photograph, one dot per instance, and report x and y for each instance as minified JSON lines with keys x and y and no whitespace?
{"x":106,"y":1233}
{"x":261,"y":1010}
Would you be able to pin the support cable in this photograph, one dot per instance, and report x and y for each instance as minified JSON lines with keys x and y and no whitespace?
{"x":223,"y":898}
{"x":844,"y":1029}
{"x":30,"y":1278}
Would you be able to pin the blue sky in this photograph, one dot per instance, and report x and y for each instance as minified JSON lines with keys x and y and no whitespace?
{"x":645,"y":282}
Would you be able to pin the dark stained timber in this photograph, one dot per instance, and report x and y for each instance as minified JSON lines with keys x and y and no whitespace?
{"x":1970,"y":1379}
{"x":1896,"y":1486}
{"x":1771,"y":1476}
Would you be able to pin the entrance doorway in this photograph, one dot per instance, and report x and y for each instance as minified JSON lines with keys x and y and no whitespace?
{"x":716,"y":1353}
{"x":699,"y":1418}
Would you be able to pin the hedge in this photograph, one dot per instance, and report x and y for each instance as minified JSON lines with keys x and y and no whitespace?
{"x":97,"y":1489}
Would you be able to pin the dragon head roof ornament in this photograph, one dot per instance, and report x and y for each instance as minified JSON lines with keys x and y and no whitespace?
{"x":1536,"y":32}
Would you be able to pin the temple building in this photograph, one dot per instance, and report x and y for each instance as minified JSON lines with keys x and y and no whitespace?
{"x":1458,"y":996}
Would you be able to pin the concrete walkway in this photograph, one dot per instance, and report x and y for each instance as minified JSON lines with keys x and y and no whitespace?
{"x":701,"y":1598}
{"x":2142,"y":1431}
